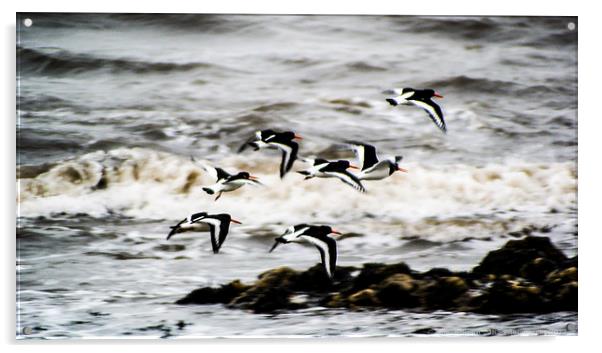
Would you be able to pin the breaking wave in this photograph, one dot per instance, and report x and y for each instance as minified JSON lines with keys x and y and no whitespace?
{"x":148,"y":184}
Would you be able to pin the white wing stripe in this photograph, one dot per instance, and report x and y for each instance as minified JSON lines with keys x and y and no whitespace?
{"x":431,"y":111}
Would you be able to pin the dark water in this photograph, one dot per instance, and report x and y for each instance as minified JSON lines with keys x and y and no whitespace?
{"x":126,"y":99}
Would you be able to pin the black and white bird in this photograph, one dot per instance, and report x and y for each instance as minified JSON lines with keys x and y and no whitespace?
{"x":323,"y":168}
{"x":420,"y":98}
{"x":231,"y":183}
{"x":371,"y":167}
{"x":225,"y":181}
{"x":280,"y":140}
{"x":317,"y":235}
{"x":215,"y":221}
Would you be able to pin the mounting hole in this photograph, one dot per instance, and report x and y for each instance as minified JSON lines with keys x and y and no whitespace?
{"x":571,"y":26}
{"x":27,"y":22}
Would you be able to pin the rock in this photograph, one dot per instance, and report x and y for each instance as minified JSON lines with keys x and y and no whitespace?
{"x":524,"y":276}
{"x":441,"y":293}
{"x":269,"y":293}
{"x":511,"y":296}
{"x":437,"y":272}
{"x":316,"y":279}
{"x":515,"y":254}
{"x":373,"y":273}
{"x":365,"y":297}
{"x":336,"y":300}
{"x":207,"y":295}
{"x":396,"y":291}
{"x":537,"y":269}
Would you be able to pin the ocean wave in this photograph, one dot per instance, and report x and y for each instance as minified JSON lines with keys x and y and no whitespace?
{"x":463,"y":27}
{"x":60,"y":62}
{"x":473,"y":84}
{"x":146,"y":184}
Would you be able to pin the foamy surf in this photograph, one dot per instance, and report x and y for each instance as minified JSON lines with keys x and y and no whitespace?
{"x":148,"y":184}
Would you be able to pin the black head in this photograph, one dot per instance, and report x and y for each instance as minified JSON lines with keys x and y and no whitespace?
{"x":322,"y":231}
{"x":267,"y":133}
{"x":288,"y":136}
{"x":344,"y":164}
{"x":243,"y":175}
{"x":427,"y":94}
{"x":394,"y":165}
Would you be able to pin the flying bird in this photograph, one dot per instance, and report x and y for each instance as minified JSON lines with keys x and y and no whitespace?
{"x":224,"y":181}
{"x":323,"y":168}
{"x":420,"y":98}
{"x":215,"y":221}
{"x":231,"y":183}
{"x":371,"y":167}
{"x":280,"y":140}
{"x":317,"y":235}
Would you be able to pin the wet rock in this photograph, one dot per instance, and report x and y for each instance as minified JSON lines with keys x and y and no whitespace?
{"x":270,"y":292}
{"x":365,"y":297}
{"x":537,"y":269}
{"x":397,"y":291}
{"x":316,"y":279}
{"x":208,"y":295}
{"x":511,"y":296}
{"x":524,"y":276}
{"x":515,"y":254}
{"x":373,"y":273}
{"x":441,"y":293}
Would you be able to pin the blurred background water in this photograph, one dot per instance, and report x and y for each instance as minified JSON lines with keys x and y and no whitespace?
{"x":112,"y":106}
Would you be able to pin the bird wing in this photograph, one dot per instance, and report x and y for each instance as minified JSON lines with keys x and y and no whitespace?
{"x":174,"y":229}
{"x":224,"y":227}
{"x":365,"y":153}
{"x":434,"y":112}
{"x":348,"y":179}
{"x":289,"y":155}
{"x":247,"y":143}
{"x":214,"y":243}
{"x":328,"y":251}
{"x":215,"y":172}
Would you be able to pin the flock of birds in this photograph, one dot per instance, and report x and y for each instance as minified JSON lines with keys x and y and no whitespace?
{"x":370,"y":168}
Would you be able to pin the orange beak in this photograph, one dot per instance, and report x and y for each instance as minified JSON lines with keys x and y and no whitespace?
{"x":402,"y":170}
{"x":335,"y":232}
{"x":437,"y":95}
{"x":235,"y":221}
{"x":353,"y":167}
{"x":253,"y":177}
{"x":298,"y":137}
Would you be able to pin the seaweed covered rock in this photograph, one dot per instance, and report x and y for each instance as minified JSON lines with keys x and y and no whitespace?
{"x":374,"y":273}
{"x":364,"y":297}
{"x":511,"y":296}
{"x":528,"y":275}
{"x":530,"y":257}
{"x":442,"y":292}
{"x":270,"y":292}
{"x":208,"y":295}
{"x":397,"y":291}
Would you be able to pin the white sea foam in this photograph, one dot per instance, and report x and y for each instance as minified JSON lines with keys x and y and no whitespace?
{"x":149,"y":184}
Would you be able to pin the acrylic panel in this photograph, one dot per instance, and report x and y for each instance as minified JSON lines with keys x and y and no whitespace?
{"x":207,"y":175}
